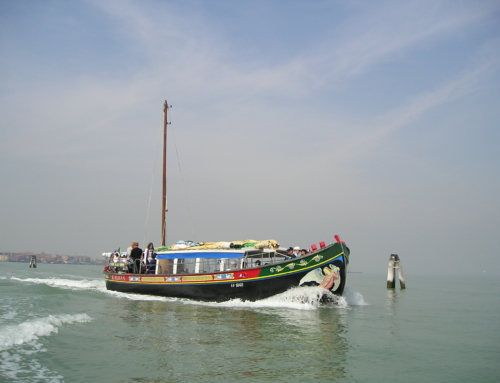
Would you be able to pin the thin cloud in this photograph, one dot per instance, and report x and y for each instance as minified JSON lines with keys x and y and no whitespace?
{"x":383,"y":33}
{"x":399,"y":118}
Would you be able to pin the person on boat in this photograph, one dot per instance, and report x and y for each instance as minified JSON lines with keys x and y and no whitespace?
{"x":234,"y":266}
{"x":296,"y":251}
{"x":152,"y":264}
{"x":129,"y":250}
{"x":148,"y":254}
{"x":257,"y":263}
{"x":136,"y":255}
{"x":130,"y":261}
{"x":303,"y":252}
{"x":289,"y":254}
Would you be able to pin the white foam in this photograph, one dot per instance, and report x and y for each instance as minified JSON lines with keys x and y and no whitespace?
{"x":72,"y":284}
{"x":22,"y":369}
{"x":299,"y":298}
{"x":32,"y":329}
{"x":9,"y":315}
{"x":95,"y":285}
{"x":354,"y":298}
{"x":140,"y":297}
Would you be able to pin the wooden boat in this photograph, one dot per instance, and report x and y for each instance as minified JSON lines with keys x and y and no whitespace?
{"x":249,"y":270}
{"x":247,"y":274}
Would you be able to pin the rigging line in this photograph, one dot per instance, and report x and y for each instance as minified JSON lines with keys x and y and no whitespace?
{"x":183,"y":185}
{"x":152,"y":180}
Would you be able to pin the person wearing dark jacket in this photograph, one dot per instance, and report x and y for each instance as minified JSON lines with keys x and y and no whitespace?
{"x":289,"y":254}
{"x":135,"y":256}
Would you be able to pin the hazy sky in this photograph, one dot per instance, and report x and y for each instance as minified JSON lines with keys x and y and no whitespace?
{"x":292,"y":120}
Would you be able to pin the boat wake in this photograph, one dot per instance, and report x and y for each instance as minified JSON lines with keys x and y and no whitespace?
{"x":93,"y":285}
{"x":30,"y":330}
{"x":307,"y":298}
{"x":298,"y":298}
{"x":71,"y":284}
{"x":19,"y":343}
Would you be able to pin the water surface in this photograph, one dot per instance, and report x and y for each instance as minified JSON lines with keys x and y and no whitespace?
{"x":58,"y":323}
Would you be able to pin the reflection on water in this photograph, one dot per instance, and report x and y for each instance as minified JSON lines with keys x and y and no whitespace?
{"x":394,"y":297}
{"x":174,"y":341}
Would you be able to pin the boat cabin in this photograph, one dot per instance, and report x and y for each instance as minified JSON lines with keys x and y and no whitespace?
{"x":207,"y":261}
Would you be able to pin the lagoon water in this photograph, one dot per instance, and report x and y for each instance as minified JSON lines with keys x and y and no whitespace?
{"x":58,"y":323}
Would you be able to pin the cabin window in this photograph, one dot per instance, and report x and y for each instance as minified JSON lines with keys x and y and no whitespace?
{"x":198,"y":265}
{"x":214,"y":265}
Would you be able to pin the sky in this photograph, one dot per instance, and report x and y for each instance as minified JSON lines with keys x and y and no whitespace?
{"x":290,"y":120}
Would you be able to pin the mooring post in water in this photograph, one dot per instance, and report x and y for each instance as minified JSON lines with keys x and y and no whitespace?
{"x":33,"y":261}
{"x":395,"y":264}
{"x":391,"y":282}
{"x":402,"y":284}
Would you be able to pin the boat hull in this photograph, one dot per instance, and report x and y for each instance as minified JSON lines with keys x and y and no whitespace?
{"x":326,"y":268}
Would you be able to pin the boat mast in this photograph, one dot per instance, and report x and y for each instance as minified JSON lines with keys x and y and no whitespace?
{"x":164,"y":208}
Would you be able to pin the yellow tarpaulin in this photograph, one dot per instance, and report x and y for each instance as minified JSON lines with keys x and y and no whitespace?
{"x":267,"y":244}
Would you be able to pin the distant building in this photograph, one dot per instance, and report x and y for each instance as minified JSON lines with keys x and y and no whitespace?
{"x":51,"y":258}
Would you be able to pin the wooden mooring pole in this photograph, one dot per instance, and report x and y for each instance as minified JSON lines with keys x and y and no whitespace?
{"x":395,"y":264}
{"x":33,"y":262}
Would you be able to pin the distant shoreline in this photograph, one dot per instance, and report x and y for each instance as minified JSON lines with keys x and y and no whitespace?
{"x":98,"y":263}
